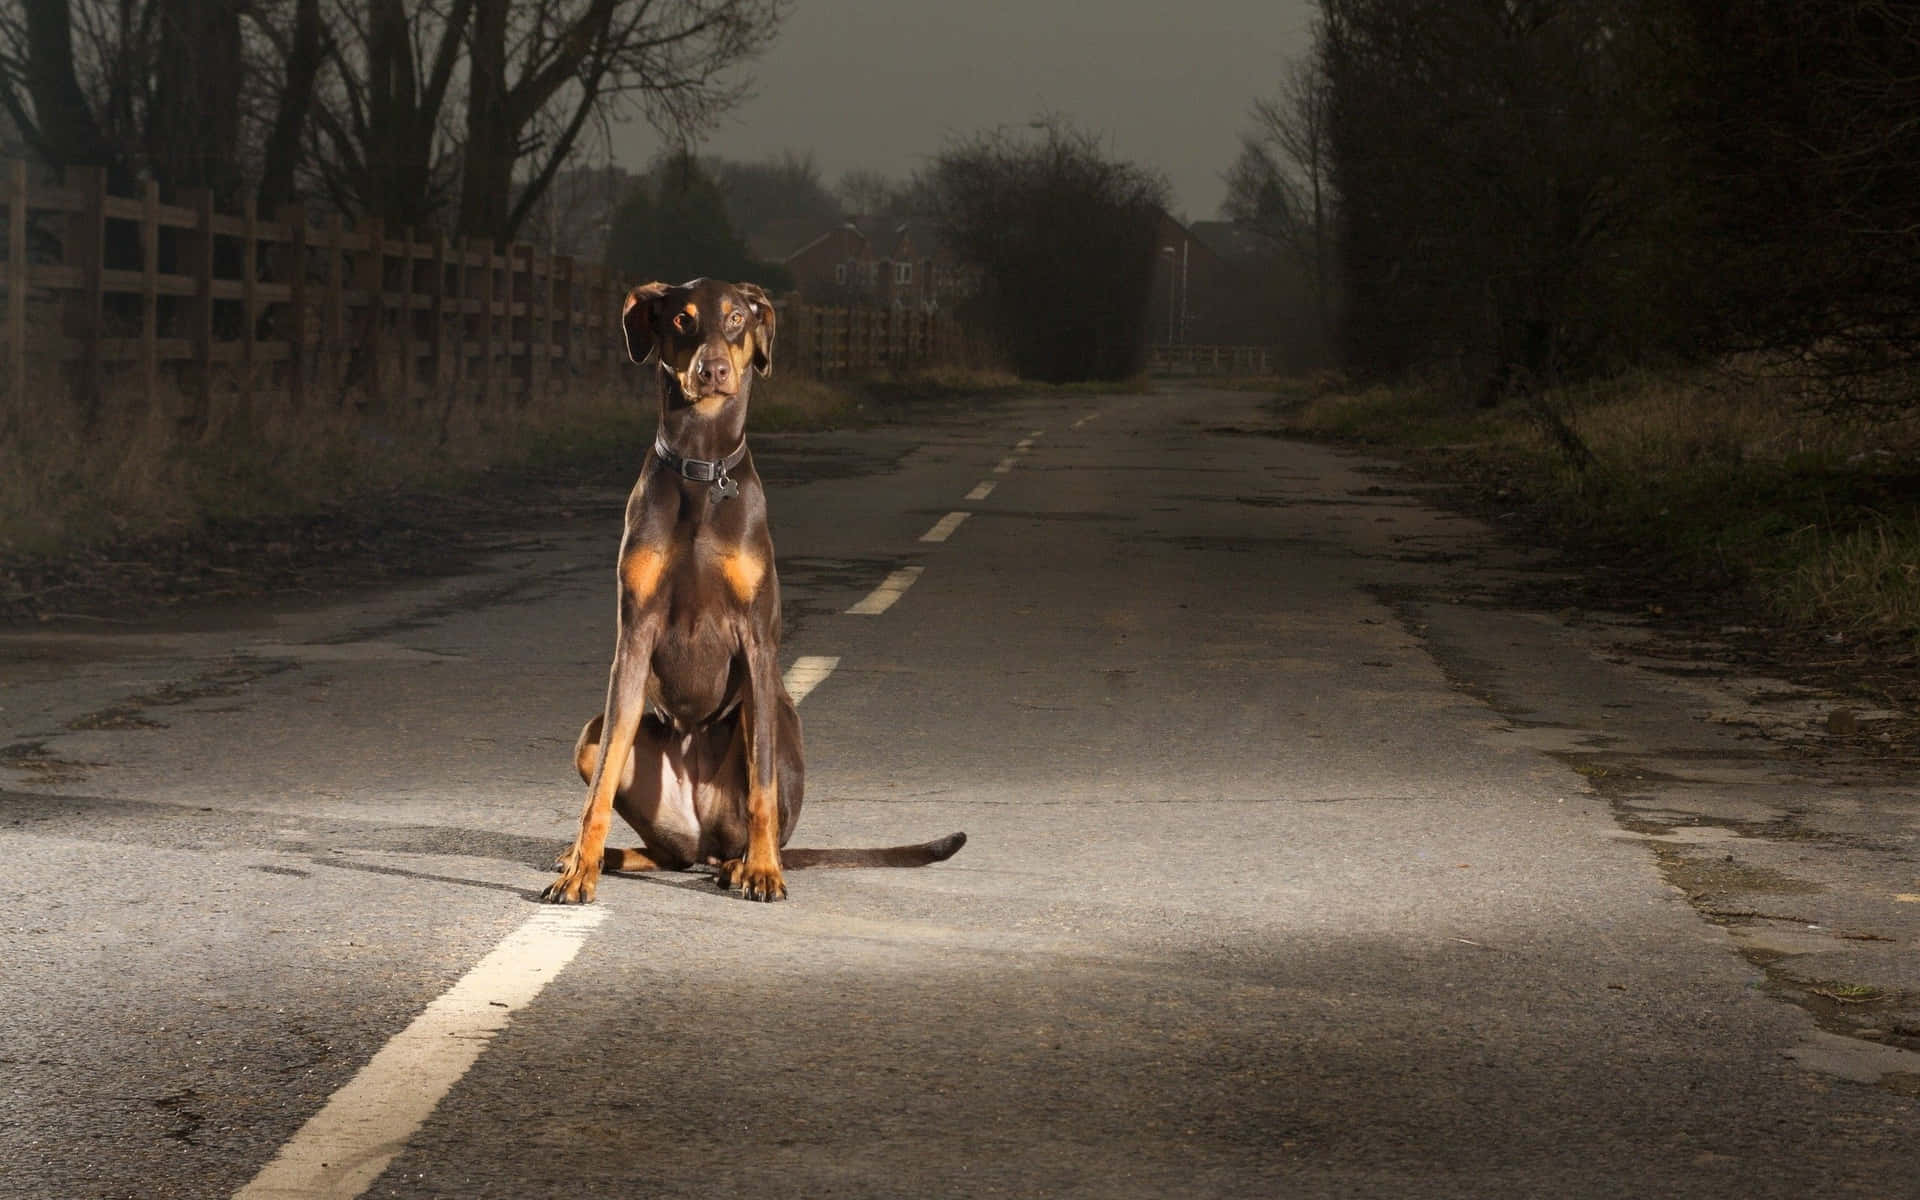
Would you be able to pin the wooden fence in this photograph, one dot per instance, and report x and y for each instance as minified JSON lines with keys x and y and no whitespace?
{"x":1211,"y":360}
{"x":118,"y":294}
{"x":833,"y":343}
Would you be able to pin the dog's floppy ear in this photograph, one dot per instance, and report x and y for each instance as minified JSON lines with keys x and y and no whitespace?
{"x":756,"y":299}
{"x":637,"y":316}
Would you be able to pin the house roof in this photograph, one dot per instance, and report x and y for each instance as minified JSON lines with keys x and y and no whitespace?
{"x":1231,"y":240}
{"x":780,"y":240}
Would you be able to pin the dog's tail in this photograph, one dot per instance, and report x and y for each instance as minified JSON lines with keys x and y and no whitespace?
{"x":938,"y":850}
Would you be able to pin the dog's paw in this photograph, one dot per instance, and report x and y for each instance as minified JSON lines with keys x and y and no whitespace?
{"x":751,"y":883}
{"x":573,"y":887}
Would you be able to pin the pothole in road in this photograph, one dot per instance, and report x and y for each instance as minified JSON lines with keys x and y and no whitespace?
{"x":224,"y":681}
{"x":33,"y":759}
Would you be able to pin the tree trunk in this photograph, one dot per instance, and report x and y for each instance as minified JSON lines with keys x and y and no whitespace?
{"x":65,"y":131}
{"x":193,"y":126}
{"x":304,"y":57}
{"x":487,"y":172}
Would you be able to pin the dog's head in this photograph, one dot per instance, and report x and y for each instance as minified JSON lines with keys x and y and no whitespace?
{"x":707,"y":332}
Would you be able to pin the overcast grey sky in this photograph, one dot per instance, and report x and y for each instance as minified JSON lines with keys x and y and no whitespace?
{"x":884,"y":84}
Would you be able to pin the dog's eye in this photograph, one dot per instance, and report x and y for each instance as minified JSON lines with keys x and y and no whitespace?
{"x":736,"y":319}
{"x":683,"y":322}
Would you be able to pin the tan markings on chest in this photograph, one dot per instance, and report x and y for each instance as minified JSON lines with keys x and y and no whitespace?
{"x":743,"y":570}
{"x":640,"y":571}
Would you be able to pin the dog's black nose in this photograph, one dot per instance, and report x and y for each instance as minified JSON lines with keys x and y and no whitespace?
{"x":714,"y":372}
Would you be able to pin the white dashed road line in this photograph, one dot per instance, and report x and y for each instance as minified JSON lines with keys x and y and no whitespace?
{"x":944,"y":527}
{"x":891,"y":589}
{"x":365,"y":1125}
{"x":343,"y":1148}
{"x":809,"y":671}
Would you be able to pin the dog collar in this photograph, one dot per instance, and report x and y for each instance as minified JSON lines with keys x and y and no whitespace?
{"x":703,"y":470}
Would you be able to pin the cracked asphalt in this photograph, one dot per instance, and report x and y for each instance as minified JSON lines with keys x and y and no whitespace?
{"x":1301,"y":862}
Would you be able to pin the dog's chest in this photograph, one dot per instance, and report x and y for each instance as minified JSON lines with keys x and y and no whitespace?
{"x":696,"y":671}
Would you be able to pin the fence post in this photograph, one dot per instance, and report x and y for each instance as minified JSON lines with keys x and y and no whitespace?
{"x":521,"y":317}
{"x":484,"y":249}
{"x":371,"y":270}
{"x":563,"y":281}
{"x":333,"y":328}
{"x":461,"y":285}
{"x":16,"y":284}
{"x":196,"y":260}
{"x":437,"y":316}
{"x":406,"y":334}
{"x":150,"y":293}
{"x":249,"y":306}
{"x":84,"y":308}
{"x":293,"y":327}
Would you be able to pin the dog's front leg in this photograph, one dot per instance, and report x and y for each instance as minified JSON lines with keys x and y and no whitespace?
{"x":758,"y":876}
{"x":626,"y":704}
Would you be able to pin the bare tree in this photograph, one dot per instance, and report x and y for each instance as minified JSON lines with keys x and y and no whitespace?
{"x":191,"y":93}
{"x":384,"y":147}
{"x":40,"y":85}
{"x":867,"y":193}
{"x":1282,"y":182}
{"x":1064,"y":240}
{"x":537,"y":73}
{"x":785,"y":187}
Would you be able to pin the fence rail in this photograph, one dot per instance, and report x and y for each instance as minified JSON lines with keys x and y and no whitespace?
{"x":1211,"y":360}
{"x":180,"y":299}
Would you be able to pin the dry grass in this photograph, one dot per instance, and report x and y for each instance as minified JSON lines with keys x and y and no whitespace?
{"x":140,"y":470}
{"x":785,"y":400}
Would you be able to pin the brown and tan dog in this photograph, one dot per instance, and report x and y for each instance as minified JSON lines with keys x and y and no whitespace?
{"x":701,"y":746}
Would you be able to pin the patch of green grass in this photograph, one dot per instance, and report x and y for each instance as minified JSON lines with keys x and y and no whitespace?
{"x":1412,"y":417}
{"x":1849,"y":993}
{"x":1817,"y":514}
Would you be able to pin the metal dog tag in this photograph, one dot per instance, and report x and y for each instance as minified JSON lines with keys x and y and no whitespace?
{"x":724,"y":488}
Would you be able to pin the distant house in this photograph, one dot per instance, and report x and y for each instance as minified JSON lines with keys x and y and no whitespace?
{"x":1193,"y":299}
{"x":884,"y":262}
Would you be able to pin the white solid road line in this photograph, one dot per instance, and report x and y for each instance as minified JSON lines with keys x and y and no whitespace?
{"x":343,"y":1148}
{"x":891,"y":589}
{"x":982,"y":490}
{"x":808,"y":672}
{"x":944,"y":527}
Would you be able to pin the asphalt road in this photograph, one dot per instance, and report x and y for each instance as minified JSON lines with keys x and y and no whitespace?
{"x":1268,"y":892}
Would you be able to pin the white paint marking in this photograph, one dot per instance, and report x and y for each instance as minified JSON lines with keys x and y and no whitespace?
{"x":808,"y":672}
{"x":1006,"y":464}
{"x":343,"y":1148}
{"x":881,"y":598}
{"x":365,"y":1125}
{"x":1036,"y":433}
{"x":1023,"y":445}
{"x":944,"y":527}
{"x":982,"y":490}
{"x":1083,"y":420}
